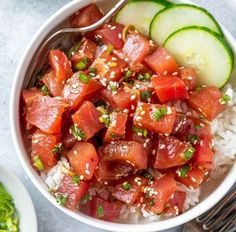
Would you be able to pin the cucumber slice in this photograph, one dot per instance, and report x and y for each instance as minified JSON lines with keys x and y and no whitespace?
{"x":176,"y":17}
{"x":204,"y":50}
{"x":140,"y":13}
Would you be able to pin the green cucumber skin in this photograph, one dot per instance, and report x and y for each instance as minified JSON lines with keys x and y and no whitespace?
{"x":161,"y":2}
{"x":171,"y":6}
{"x":218,"y":37}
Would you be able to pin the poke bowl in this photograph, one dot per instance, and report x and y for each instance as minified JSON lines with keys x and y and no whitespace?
{"x":133,"y":126}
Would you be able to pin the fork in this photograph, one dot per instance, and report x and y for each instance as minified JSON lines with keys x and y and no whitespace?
{"x":56,"y":40}
{"x":220,"y":218}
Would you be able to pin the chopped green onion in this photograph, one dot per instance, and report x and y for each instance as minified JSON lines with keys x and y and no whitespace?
{"x":58,"y":148}
{"x":9,"y":220}
{"x":82,"y":64}
{"x":128,"y":73}
{"x":126,"y":186}
{"x":100,"y":210}
{"x":85,"y":199}
{"x":105,"y":119}
{"x":144,"y":77}
{"x":113,"y":86}
{"x":140,"y":131}
{"x":92,"y":71}
{"x":193,"y":138}
{"x":110,"y":49}
{"x":189,"y":153}
{"x":197,"y":127}
{"x":84,"y":78}
{"x":61,"y":200}
{"x":114,"y":136}
{"x":77,"y":133}
{"x":159,"y":113}
{"x":38,"y":163}
{"x":45,"y":90}
{"x":151,"y":202}
{"x":183,"y":171}
{"x":148,"y":175}
{"x":145,"y":95}
{"x":74,"y":49}
{"x":76,"y":180}
{"x":225,"y":99}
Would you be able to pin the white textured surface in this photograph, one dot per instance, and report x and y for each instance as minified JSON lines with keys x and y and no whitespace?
{"x":19,"y":20}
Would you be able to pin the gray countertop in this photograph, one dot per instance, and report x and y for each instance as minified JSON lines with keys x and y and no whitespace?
{"x":19,"y":20}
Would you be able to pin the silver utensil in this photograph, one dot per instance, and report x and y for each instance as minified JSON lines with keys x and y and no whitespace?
{"x":220,"y":218}
{"x":57,"y":39}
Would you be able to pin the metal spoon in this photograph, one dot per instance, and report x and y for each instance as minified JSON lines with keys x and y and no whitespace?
{"x":40,"y":57}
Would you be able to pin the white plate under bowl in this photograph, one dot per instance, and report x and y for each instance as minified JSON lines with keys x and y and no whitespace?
{"x":211,"y":194}
{"x":22,"y":200}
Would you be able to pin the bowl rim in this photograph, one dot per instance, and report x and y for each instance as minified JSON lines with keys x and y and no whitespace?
{"x":197,"y":210}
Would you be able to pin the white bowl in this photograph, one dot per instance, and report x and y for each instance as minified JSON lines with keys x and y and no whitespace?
{"x":211,"y":195}
{"x":22,"y":200}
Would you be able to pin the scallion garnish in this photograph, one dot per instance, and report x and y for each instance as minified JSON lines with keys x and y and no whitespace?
{"x":144,"y":77}
{"x":159,"y":114}
{"x":73,"y":50}
{"x":58,"y":148}
{"x":100,"y":210}
{"x":193,"y":138}
{"x":61,"y":200}
{"x":82,"y":64}
{"x":84,"y":78}
{"x":151,"y":202}
{"x":45,"y":90}
{"x":145,"y":95}
{"x":225,"y":99}
{"x":128,"y":73}
{"x":76,"y":180}
{"x":126,"y":186}
{"x":183,"y":171}
{"x":110,"y":49}
{"x":92,"y":71}
{"x":189,"y":153}
{"x":140,"y":131}
{"x":77,"y":133}
{"x":85,"y":199}
{"x":197,"y":127}
{"x":38,"y":163}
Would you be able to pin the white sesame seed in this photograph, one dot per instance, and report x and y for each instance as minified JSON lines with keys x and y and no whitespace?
{"x":87,"y":172}
{"x":175,"y":73}
{"x":142,"y":112}
{"x":153,"y":151}
{"x":140,"y":124}
{"x":168,"y":57}
{"x":75,"y":152}
{"x":119,"y":36}
{"x":133,"y":97}
{"x":113,"y":28}
{"x":139,"y":134}
{"x":126,"y":59}
{"x":126,"y":111}
{"x":182,"y":67}
{"x":35,"y":141}
{"x":87,"y":165}
{"x":56,"y":58}
{"x":189,"y":78}
{"x":81,"y":177}
{"x":162,"y":146}
{"x":165,"y":73}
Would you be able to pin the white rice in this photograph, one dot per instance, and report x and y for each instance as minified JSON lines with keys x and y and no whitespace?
{"x":224,"y":131}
